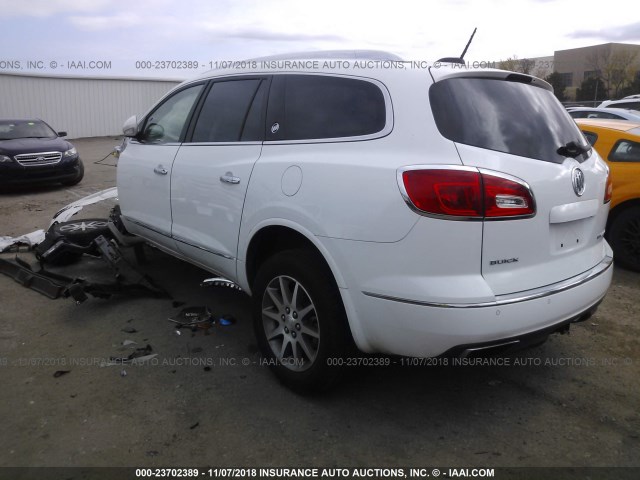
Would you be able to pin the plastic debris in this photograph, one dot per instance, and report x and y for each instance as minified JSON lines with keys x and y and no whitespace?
{"x":70,"y":210}
{"x":60,"y":373}
{"x":194,"y":318}
{"x":127,"y":343}
{"x":138,"y":356}
{"x":226,"y":320}
{"x":129,"y":330}
{"x":123,"y":373}
{"x":195,"y":425}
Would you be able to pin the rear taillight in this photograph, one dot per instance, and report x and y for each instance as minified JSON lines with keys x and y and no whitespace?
{"x":466,"y":192}
{"x":608,"y":189}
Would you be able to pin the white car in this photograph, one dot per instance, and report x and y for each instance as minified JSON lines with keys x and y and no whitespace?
{"x":609,"y":113}
{"x":409,"y":211}
{"x":630,"y":103}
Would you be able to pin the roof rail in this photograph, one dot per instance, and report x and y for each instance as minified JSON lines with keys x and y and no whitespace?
{"x":334,"y":54}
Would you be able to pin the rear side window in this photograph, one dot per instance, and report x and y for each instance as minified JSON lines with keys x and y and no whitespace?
{"x":629,"y":105}
{"x":305,"y":107}
{"x":228,"y":110}
{"x":506,"y":116}
{"x":625,"y":151}
{"x":591,"y":137}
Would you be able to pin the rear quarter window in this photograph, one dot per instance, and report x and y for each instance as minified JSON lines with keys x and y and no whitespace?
{"x":625,"y":151}
{"x":307,"y":107}
{"x":591,"y":137}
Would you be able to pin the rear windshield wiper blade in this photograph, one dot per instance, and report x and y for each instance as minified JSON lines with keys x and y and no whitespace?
{"x":572,"y":149}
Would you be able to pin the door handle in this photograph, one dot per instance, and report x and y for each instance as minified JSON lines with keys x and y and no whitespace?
{"x":229,"y":178}
{"x":160,"y":170}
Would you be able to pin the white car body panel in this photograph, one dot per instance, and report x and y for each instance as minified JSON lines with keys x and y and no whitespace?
{"x":206,"y":210}
{"x":410,"y":284}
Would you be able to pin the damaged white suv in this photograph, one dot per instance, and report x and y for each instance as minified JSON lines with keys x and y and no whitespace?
{"x":416,"y":212}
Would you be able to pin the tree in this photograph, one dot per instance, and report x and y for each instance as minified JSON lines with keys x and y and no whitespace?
{"x":591,"y":89}
{"x":514,"y":64}
{"x":622,"y":70}
{"x":615,"y":69}
{"x":556,"y":81}
{"x":634,"y":88}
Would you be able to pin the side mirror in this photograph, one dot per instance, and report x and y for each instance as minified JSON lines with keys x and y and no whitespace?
{"x":130,"y":127}
{"x":62,"y":134}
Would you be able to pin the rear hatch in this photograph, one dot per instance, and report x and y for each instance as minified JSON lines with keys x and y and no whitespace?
{"x":512,"y":124}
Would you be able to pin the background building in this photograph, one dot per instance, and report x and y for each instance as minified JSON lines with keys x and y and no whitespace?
{"x":617,"y":65}
{"x":82,"y":106}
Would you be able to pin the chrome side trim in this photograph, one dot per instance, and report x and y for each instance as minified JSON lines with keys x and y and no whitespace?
{"x":518,"y":297}
{"x":144,"y":225}
{"x":182,"y":240}
{"x":179,"y":239}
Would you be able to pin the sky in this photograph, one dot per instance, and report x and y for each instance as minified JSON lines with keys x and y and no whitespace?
{"x":133,"y":38}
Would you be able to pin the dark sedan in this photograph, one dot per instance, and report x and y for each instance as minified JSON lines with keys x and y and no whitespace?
{"x":32,"y":152}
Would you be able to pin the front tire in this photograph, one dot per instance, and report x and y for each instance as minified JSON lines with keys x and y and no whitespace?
{"x":624,"y":235}
{"x":299,"y":320}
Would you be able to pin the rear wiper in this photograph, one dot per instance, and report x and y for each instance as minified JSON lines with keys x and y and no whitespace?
{"x":571,"y":149}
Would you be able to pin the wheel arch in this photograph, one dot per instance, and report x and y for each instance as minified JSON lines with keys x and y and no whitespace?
{"x":270,"y":238}
{"x":621,"y":207}
{"x":273,"y":236}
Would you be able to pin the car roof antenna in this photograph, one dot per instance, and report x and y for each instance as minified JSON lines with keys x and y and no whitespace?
{"x":468,"y":43}
{"x":461,"y":58}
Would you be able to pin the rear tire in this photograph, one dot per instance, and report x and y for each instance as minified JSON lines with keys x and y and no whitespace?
{"x":299,"y":320}
{"x":624,"y":235}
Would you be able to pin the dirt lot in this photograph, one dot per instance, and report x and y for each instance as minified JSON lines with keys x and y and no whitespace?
{"x":207,"y":400}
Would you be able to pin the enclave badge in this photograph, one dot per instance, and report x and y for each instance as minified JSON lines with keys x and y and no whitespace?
{"x":577,"y":179}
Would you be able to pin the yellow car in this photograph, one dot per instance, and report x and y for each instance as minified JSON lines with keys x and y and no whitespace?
{"x":618,"y":143}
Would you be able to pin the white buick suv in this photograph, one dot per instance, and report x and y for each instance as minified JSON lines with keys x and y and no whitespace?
{"x":372,"y":202}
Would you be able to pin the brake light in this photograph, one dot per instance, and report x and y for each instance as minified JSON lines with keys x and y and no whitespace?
{"x":467,"y":192}
{"x":608,"y":189}
{"x":445,"y":192}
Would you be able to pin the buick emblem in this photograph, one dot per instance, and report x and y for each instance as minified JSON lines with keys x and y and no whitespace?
{"x":40,"y":159}
{"x":577,"y":179}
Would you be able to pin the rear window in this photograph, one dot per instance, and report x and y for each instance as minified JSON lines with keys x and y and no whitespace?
{"x":505,"y":116}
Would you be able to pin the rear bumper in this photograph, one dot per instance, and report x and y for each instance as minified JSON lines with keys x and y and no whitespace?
{"x":422,"y":329}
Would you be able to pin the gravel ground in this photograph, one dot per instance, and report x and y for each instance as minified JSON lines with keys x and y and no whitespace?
{"x":207,"y":400}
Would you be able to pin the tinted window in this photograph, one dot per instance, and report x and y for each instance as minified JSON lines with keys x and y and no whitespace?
{"x":625,"y":151}
{"x":12,"y":129}
{"x":630,"y":105}
{"x":167,"y":122}
{"x":226,"y":110}
{"x":600,"y":115}
{"x":578,"y":114}
{"x":316,"y":106}
{"x":591,"y":137}
{"x":506,"y":116}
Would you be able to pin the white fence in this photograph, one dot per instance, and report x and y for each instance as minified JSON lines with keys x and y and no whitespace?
{"x":81,"y":106}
